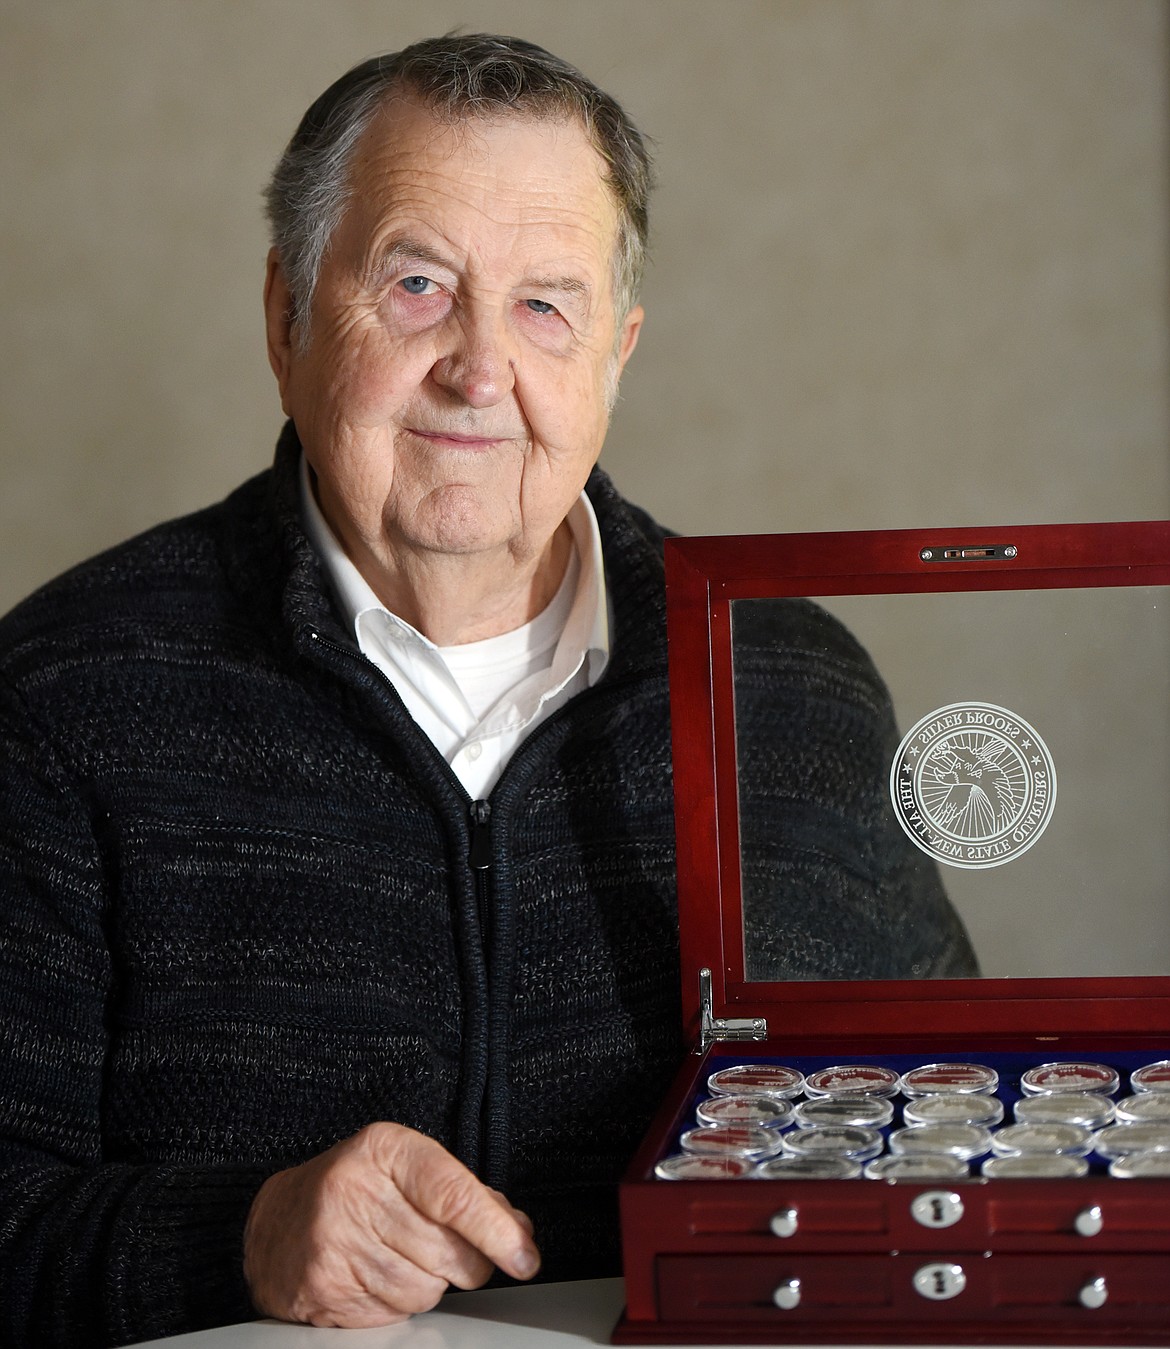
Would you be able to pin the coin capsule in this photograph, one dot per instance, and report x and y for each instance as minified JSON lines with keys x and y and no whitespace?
{"x":871,"y":1111}
{"x":955,"y":1140}
{"x":952,"y":1079}
{"x":917,"y":1166}
{"x":1119,"y":1140}
{"x":1052,"y":1077}
{"x":689,"y":1166}
{"x":947,"y":1109}
{"x":732,"y":1140}
{"x":1141,"y":1166}
{"x":770,"y":1112}
{"x":808,"y":1168}
{"x":843,"y":1140}
{"x":1144,"y":1107}
{"x":756,"y":1079}
{"x":1072,"y":1140}
{"x":1151,"y":1077}
{"x":1035,"y":1166}
{"x":1088,"y":1109}
{"x":852,"y":1079}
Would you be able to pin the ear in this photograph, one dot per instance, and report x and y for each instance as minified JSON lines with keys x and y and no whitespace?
{"x":631,"y":327}
{"x":278,"y":311}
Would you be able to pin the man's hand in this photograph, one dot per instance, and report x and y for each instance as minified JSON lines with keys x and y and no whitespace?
{"x":375,"y":1229}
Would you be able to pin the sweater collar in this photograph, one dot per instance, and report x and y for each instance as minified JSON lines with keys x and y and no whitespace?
{"x":631,"y":543}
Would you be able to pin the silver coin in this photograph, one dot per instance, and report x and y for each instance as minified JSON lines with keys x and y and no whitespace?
{"x":1072,"y":1140}
{"x":973,"y":1109}
{"x":770,"y":1112}
{"x":872,"y":1111}
{"x":842,"y":1140}
{"x":852,"y":1079}
{"x":1145,"y":1106}
{"x":1152,"y":1077}
{"x":1140,"y":1165}
{"x":1119,"y":1140}
{"x":732,"y":1140}
{"x":756,"y":1079}
{"x":808,"y":1168}
{"x":954,"y":1140}
{"x":688,"y":1166}
{"x":1034,"y":1166}
{"x":1050,"y":1077}
{"x":1085,"y":1108}
{"x":952,"y":1079}
{"x":917,"y":1166}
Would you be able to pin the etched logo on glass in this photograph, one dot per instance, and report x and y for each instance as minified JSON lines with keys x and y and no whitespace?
{"x":973,"y":785}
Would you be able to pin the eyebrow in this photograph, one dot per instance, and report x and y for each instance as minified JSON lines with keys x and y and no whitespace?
{"x":407,"y":249}
{"x":564,"y":285}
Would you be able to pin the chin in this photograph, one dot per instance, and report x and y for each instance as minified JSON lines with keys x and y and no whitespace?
{"x":458,"y":522}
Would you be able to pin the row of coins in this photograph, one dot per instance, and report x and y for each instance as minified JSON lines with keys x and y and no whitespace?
{"x":753,"y":1124}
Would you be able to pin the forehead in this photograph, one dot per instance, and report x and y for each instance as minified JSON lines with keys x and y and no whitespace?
{"x":511,"y":182}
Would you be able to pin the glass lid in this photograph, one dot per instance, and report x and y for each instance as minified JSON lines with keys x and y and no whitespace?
{"x":1028,"y":767}
{"x":930,"y":757}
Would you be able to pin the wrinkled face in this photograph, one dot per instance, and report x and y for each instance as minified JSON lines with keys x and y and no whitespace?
{"x":463,"y":346}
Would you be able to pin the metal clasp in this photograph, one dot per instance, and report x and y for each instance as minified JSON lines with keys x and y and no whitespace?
{"x":712,"y":1028}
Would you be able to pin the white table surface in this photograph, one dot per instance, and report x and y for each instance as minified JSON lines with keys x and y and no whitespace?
{"x":553,"y":1314}
{"x":547,"y":1316}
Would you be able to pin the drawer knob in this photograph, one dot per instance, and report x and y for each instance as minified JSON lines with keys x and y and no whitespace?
{"x":1089,"y":1221}
{"x":1094,"y":1293}
{"x":787,"y":1295}
{"x":784,"y":1223}
{"x":940,"y":1282}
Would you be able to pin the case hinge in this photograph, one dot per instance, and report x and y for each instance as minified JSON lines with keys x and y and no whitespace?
{"x":712,"y":1028}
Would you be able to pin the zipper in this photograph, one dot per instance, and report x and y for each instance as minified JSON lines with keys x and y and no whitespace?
{"x":480,"y":859}
{"x":492,"y":1111}
{"x":469,"y":1128}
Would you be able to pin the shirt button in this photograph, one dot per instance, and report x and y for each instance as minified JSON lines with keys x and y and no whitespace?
{"x":474,"y":750}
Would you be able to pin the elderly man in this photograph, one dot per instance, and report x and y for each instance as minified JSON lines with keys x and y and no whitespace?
{"x":336,"y":841}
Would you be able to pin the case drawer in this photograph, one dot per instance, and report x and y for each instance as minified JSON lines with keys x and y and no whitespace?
{"x":799,"y":1290}
{"x":848,"y":1215}
{"x":860,"y":1215}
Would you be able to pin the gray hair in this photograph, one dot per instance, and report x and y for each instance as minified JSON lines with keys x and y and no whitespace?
{"x":457,"y":76}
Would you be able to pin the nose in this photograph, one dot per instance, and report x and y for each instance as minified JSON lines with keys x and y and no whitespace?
{"x":479,"y":366}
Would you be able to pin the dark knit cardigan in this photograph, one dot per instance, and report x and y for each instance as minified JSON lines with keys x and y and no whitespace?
{"x":246,"y":908}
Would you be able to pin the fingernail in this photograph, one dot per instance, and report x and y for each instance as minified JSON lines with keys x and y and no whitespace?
{"x":527,"y":1262}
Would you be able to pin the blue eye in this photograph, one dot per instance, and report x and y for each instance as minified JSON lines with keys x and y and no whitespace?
{"x":415,"y":285}
{"x":540,"y":307}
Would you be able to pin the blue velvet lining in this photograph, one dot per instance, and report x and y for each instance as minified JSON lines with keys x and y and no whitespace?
{"x":1009,"y":1065}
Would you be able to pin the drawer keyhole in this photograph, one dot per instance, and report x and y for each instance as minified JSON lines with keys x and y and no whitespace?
{"x":936,"y":1208}
{"x":940,"y":1283}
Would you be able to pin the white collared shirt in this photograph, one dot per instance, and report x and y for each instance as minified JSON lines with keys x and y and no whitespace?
{"x":478,"y":700}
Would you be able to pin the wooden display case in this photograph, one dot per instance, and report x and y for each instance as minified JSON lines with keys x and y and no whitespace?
{"x":1069,"y":627}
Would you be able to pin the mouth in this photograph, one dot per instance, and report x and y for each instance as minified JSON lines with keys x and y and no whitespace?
{"x":460,"y":440}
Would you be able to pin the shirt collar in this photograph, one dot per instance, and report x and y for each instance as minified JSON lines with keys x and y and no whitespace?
{"x":586,"y":635}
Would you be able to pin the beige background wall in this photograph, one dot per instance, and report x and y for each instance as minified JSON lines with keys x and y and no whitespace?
{"x":910,"y":261}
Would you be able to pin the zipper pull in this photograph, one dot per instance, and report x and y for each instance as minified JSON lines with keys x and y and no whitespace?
{"x":481,"y":836}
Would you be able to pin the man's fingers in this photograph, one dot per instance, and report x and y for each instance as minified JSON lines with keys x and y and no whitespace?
{"x":439,"y":1250}
{"x":523,"y":1217}
{"x":376,"y":1228}
{"x":397,"y":1285}
{"x":443,"y":1190}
